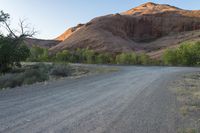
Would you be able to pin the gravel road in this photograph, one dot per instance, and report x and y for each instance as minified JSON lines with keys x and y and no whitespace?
{"x":133,"y":100}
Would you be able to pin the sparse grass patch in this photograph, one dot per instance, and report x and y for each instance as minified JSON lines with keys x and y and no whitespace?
{"x":29,"y":76}
{"x":187,"y":91}
{"x":31,"y":73}
{"x":187,"y":130}
{"x":60,"y":70}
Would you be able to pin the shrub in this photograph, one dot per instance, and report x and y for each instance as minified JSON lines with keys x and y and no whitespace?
{"x":170,"y":57}
{"x":10,"y":81}
{"x":37,"y":74}
{"x":29,"y":76}
{"x":187,"y":54}
{"x":12,"y":48}
{"x":17,"y":70}
{"x":12,"y":51}
{"x":63,"y":56}
{"x":89,"y":56}
{"x":60,"y":70}
{"x":126,"y":58}
{"x":34,"y":76}
{"x":143,"y":59}
{"x":38,"y":54}
{"x":104,"y":58}
{"x":84,"y":56}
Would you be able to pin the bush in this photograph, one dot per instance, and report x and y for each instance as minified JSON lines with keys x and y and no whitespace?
{"x":84,"y":56}
{"x":38,"y":54}
{"x":133,"y":59}
{"x":104,"y":58}
{"x":60,"y":70}
{"x":170,"y":57}
{"x":63,"y":56}
{"x":126,"y":58}
{"x":34,"y":75}
{"x":29,"y":76}
{"x":10,"y":81}
{"x":12,"y":48}
{"x":17,"y":70}
{"x":187,"y":54}
{"x":12,"y":52}
{"x":143,"y":59}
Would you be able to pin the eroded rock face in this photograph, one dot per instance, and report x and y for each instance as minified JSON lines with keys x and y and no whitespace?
{"x":69,"y":32}
{"x":131,"y":30}
{"x":30,"y":42}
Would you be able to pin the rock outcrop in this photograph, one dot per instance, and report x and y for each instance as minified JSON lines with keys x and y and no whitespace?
{"x":30,"y":42}
{"x":138,"y":29}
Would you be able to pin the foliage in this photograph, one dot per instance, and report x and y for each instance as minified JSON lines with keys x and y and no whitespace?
{"x":63,"y":56}
{"x":78,"y":56}
{"x":187,"y":54}
{"x":38,"y":54}
{"x":60,"y":70}
{"x":104,"y":58}
{"x":144,"y":59}
{"x":84,"y":56}
{"x":30,"y":74}
{"x":133,"y":59}
{"x":12,"y":51}
{"x":4,"y":16}
{"x":34,"y":75}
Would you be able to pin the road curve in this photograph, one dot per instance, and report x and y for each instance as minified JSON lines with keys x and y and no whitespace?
{"x":133,"y":100}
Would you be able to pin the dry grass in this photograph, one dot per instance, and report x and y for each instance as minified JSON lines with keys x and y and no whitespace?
{"x":31,"y":73}
{"x":187,"y":91}
{"x":187,"y":130}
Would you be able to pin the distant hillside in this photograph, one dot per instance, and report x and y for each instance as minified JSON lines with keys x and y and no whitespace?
{"x":41,"y":43}
{"x":150,"y":28}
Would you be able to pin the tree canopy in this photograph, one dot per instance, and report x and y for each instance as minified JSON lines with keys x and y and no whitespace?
{"x":12,"y":48}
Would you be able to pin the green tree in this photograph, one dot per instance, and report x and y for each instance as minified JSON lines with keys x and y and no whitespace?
{"x":187,"y":54}
{"x":88,"y":56}
{"x":63,"y":56}
{"x":104,"y":58}
{"x":12,"y":52}
{"x":39,"y":54}
{"x":143,"y":59}
{"x":12,"y":48}
{"x":126,"y":58}
{"x":170,"y":57}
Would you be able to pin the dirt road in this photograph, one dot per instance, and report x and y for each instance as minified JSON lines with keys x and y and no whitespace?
{"x":133,"y":100}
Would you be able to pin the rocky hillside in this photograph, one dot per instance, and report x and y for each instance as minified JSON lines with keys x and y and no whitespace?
{"x":150,"y":27}
{"x":41,"y":43}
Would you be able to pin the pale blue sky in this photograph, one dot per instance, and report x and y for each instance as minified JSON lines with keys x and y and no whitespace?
{"x":52,"y":17}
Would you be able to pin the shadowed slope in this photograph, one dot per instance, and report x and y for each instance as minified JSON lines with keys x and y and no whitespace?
{"x":133,"y":30}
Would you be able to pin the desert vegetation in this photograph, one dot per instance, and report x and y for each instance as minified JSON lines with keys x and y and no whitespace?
{"x":188,"y":54}
{"x":12,"y":48}
{"x":13,"y":51}
{"x":187,"y":91}
{"x":88,"y":56}
{"x":33,"y":73}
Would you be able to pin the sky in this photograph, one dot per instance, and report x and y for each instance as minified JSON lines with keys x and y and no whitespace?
{"x":52,"y":17}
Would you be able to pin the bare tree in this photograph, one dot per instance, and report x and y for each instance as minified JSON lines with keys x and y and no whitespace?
{"x":24,"y":28}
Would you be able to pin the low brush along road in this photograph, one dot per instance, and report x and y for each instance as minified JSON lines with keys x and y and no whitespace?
{"x":132,"y":100}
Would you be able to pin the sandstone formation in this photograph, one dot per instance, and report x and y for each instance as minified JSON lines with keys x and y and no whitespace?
{"x":41,"y":43}
{"x":150,"y":28}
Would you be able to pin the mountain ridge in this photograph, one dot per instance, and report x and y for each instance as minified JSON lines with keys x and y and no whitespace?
{"x":139,"y":29}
